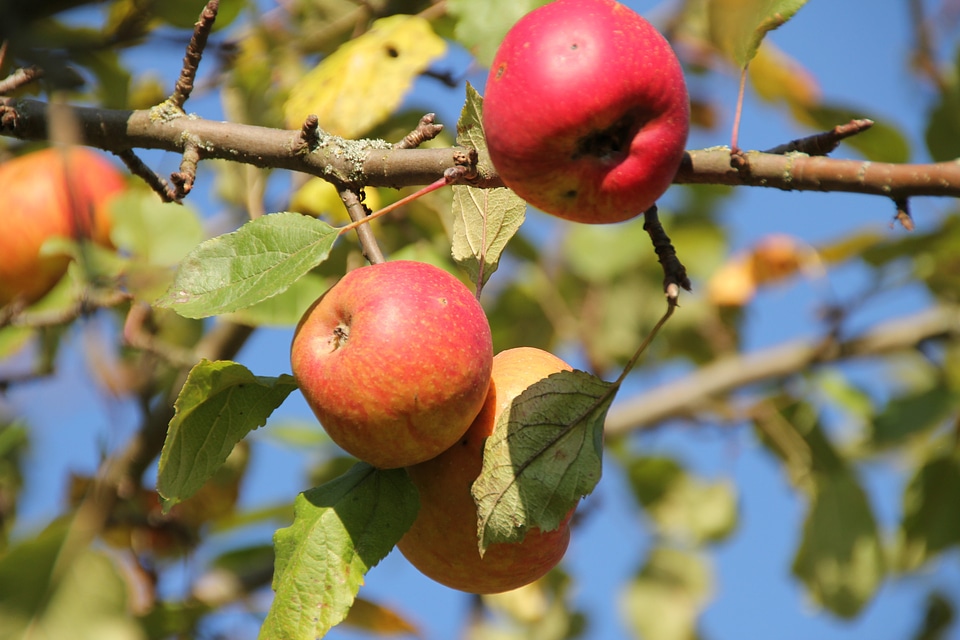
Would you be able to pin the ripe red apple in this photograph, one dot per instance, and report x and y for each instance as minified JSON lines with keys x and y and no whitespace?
{"x":45,"y":194}
{"x":395,"y":361}
{"x":586,"y":111}
{"x":442,"y":543}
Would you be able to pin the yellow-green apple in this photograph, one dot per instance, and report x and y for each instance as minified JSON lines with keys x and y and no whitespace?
{"x":442,"y":543}
{"x":45,"y":194}
{"x":395,"y":361}
{"x":586,"y":111}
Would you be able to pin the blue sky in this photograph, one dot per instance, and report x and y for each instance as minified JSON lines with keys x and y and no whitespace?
{"x":858,"y":52}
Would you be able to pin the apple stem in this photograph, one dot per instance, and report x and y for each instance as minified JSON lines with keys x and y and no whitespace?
{"x":433,"y":186}
{"x":671,"y":306}
{"x":736,"y":116}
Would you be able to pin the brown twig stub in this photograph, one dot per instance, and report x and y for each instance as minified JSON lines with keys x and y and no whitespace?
{"x":903,"y":214}
{"x":824,"y":143}
{"x":674,"y":273}
{"x":137,"y":167}
{"x":308,"y":134}
{"x":19,"y":78}
{"x":427,"y":129}
{"x":191,"y":60}
{"x":183,"y":180}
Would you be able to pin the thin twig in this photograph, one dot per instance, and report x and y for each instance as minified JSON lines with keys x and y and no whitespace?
{"x":191,"y":60}
{"x":696,"y":393}
{"x":19,"y":78}
{"x":351,"y":198}
{"x":137,"y":167}
{"x":821,"y":144}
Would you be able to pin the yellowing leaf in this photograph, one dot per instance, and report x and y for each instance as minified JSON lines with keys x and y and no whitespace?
{"x":317,"y":198}
{"x":737,"y":27}
{"x":360,"y":84}
{"x":379,"y":620}
{"x":772,"y":259}
{"x":777,"y":77}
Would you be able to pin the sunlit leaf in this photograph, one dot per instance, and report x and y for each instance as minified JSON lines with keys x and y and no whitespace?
{"x":840,"y":559}
{"x":239,"y":269}
{"x":931,"y":519}
{"x":544,"y":455}
{"x":284,"y":309}
{"x":665,"y":600}
{"x":378,"y":619}
{"x":356,"y":87}
{"x":683,"y":506}
{"x":776,"y":77}
{"x":737,"y":27}
{"x":158,"y":233}
{"x":219,"y":404}
{"x":481,"y":26}
{"x":340,"y":530}
{"x":87,"y":597}
{"x":484,"y":220}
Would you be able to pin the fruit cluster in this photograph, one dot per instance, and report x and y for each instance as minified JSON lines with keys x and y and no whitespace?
{"x":47,"y":194}
{"x":396,"y":360}
{"x":586,"y":117}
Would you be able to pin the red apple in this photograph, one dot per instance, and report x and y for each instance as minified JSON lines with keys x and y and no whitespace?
{"x":395,"y":361}
{"x":442,"y":543}
{"x":45,"y":194}
{"x":586,"y":111}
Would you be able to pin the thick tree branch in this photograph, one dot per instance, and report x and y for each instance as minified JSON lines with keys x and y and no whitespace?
{"x":378,"y":163}
{"x":696,"y":392}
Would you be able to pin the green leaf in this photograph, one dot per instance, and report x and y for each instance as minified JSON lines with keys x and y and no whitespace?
{"x":87,"y":598}
{"x":158,"y":233}
{"x":239,"y":269}
{"x":668,"y":595}
{"x":470,"y":129}
{"x":219,"y":404}
{"x":682,"y":506}
{"x":840,"y":559}
{"x":943,"y":126}
{"x":913,"y":414}
{"x":484,"y":220}
{"x":937,"y":619}
{"x":738,"y":27}
{"x":544,"y":455}
{"x":481,"y":26}
{"x":931,"y":519}
{"x":340,"y":530}
{"x":284,"y":309}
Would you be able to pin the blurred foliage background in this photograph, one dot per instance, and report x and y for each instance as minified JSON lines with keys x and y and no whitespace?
{"x":830,"y":424}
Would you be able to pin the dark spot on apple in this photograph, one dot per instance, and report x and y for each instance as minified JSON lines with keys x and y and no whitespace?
{"x":612,"y":143}
{"x":392,"y":51}
{"x":574,"y":46}
{"x":571,"y":194}
{"x":341,"y":333}
{"x":501,"y":70}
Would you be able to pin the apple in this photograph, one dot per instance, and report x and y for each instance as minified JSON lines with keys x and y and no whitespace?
{"x":586,"y":111}
{"x":45,"y":194}
{"x":395,"y":361}
{"x":442,"y":543}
